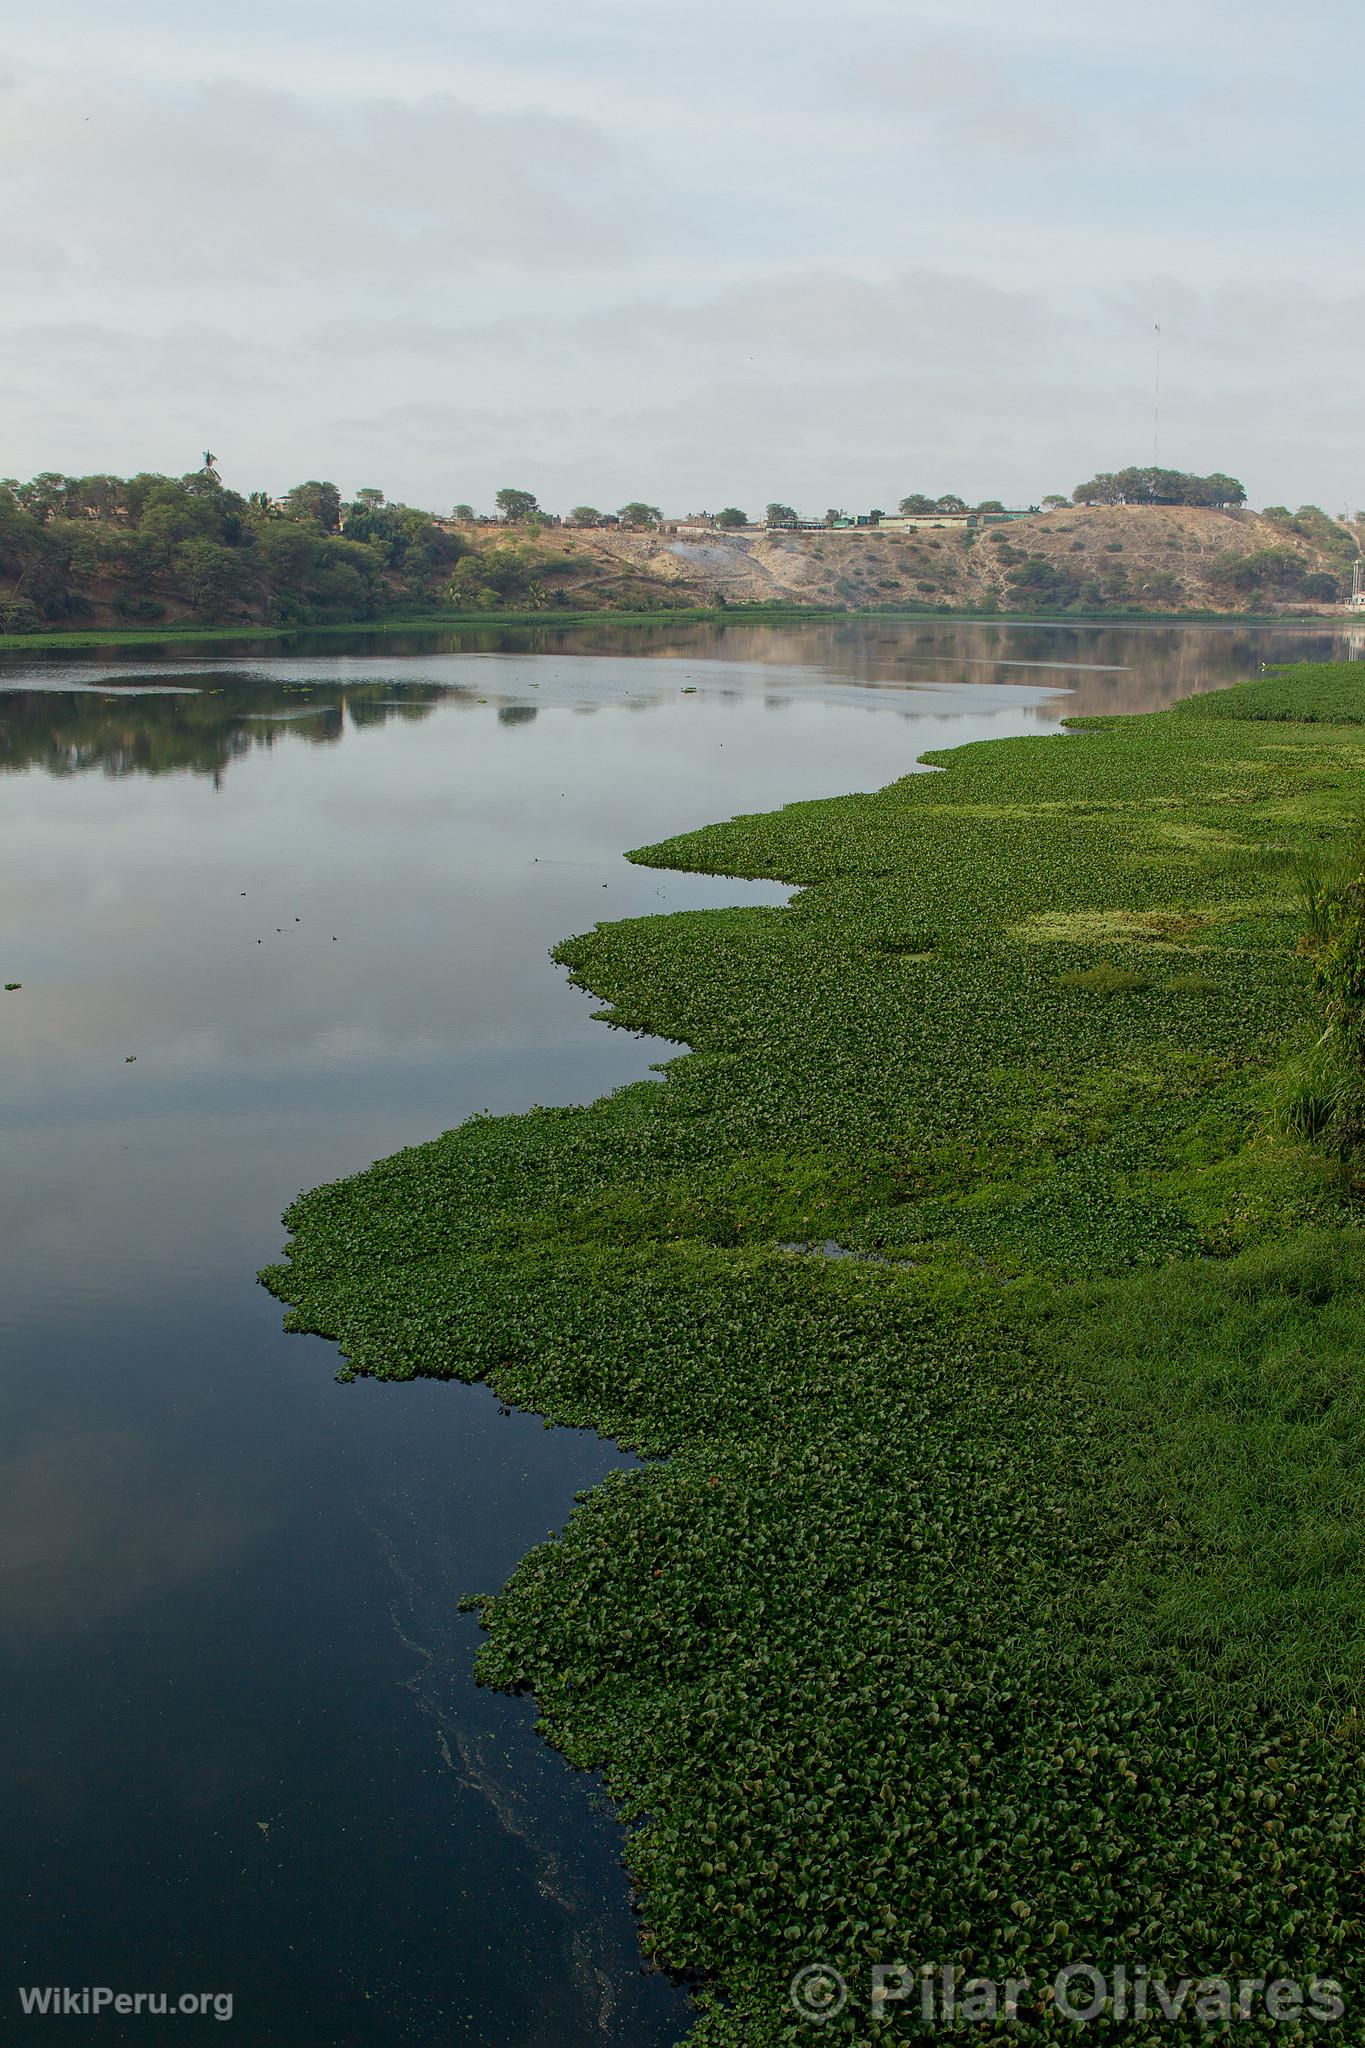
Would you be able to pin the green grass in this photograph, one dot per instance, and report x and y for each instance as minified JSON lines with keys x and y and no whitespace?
{"x":995,"y":1596}
{"x":434,"y":622}
{"x":736,"y":613}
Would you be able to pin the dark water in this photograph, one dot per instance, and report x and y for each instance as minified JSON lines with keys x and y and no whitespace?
{"x":274,"y":916}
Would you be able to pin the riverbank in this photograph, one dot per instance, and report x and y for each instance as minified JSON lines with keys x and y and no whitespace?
{"x":999,"y":1601}
{"x":552,"y":620}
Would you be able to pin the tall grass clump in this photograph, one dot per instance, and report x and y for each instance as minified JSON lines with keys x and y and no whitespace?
{"x":1322,"y":1095}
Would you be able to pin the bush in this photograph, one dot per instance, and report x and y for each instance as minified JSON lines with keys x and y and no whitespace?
{"x":1039,"y":584}
{"x":1267,"y":572}
{"x":138,"y":607}
{"x":19,"y":615}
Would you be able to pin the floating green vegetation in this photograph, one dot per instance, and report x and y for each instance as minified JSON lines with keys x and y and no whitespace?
{"x":1321,"y":692}
{"x":995,"y":1597}
{"x":1190,"y":985}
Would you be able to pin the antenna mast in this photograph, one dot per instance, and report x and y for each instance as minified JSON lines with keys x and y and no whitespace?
{"x":1156,"y":404}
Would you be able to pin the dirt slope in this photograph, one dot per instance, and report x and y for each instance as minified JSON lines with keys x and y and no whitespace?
{"x":1108,"y":557}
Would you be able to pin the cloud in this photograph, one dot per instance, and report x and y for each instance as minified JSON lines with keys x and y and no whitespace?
{"x":117,"y":187}
{"x":809,"y":315}
{"x":619,"y":254}
{"x":966,"y":99}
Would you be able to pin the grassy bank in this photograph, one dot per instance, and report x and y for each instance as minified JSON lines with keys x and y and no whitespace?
{"x":133,"y":637}
{"x":425,"y":622}
{"x":997,"y":1600}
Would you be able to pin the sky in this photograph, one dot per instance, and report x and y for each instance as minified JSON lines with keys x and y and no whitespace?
{"x":823,"y":251}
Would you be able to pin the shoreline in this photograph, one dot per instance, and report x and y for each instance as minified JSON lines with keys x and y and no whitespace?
{"x":134,"y":637}
{"x":992,"y":1583}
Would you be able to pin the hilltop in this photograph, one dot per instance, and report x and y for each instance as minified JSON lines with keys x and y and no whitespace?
{"x":1094,"y":558}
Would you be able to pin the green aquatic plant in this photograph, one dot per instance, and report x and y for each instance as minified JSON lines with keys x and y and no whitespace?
{"x":991,"y":1596}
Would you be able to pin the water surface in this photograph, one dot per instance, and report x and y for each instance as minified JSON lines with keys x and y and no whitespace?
{"x":274,"y":916}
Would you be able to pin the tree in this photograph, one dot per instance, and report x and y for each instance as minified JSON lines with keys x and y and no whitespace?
{"x":516,"y":506}
{"x":585,"y":515}
{"x":916,"y":503}
{"x":638,"y":514}
{"x":368,"y":495}
{"x":834,"y":515}
{"x":950,"y":502}
{"x":731,"y":516}
{"x":876,"y":515}
{"x":45,"y":496}
{"x":1145,"y":485}
{"x":315,"y":500}
{"x":97,"y":497}
{"x":1225,"y":490}
{"x":208,"y":573}
{"x":1055,"y":502}
{"x":465,"y":514}
{"x":779,"y":515}
{"x":990,"y":505}
{"x":486,"y":580}
{"x":337,"y":592}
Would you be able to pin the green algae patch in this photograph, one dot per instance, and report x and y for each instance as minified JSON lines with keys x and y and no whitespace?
{"x":994,"y":1595}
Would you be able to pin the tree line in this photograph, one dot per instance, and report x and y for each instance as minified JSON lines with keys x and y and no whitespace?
{"x":1152,"y":486}
{"x":153,"y":547}
{"x":150,"y":547}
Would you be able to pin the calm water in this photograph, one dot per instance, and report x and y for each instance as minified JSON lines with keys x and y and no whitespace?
{"x":275,"y":916}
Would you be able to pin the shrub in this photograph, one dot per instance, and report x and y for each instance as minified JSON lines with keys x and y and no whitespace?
{"x":138,"y":607}
{"x":19,"y":615}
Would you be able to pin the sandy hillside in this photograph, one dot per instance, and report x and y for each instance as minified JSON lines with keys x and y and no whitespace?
{"x":1119,"y":557}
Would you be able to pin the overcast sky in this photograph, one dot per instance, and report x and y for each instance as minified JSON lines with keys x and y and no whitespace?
{"x":827,"y":251}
